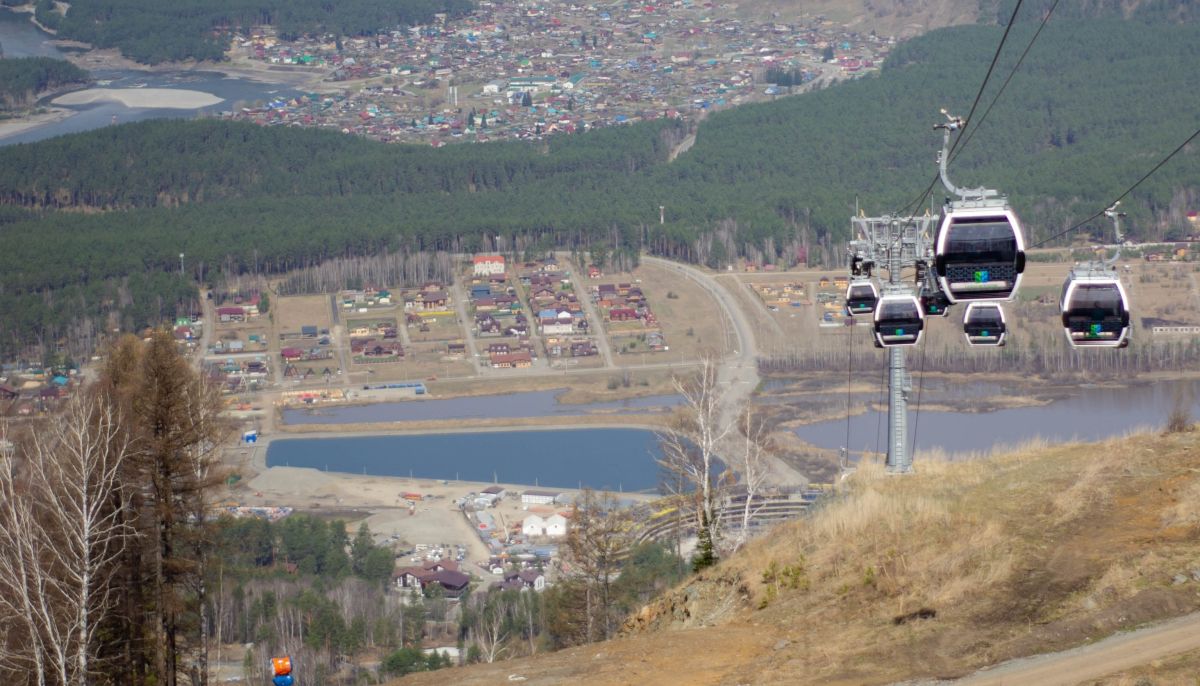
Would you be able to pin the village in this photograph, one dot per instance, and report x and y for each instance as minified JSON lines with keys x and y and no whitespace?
{"x":520,"y":70}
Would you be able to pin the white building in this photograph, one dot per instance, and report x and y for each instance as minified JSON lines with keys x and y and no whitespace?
{"x":536,"y":526}
{"x":486,"y":265}
{"x":556,"y":526}
{"x":534,"y":497}
{"x":533,"y":525}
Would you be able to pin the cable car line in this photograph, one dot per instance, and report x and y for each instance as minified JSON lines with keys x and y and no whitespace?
{"x":1120,"y":197}
{"x":917,"y":413}
{"x":913,"y":206}
{"x":1011,"y":74}
{"x":878,"y":413}
{"x":849,"y":382}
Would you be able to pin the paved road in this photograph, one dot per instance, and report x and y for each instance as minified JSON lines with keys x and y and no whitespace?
{"x":1114,"y":654}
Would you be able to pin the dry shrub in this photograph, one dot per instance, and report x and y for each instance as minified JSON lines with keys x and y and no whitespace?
{"x":1185,"y":511}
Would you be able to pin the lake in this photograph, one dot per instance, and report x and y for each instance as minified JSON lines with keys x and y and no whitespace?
{"x":506,"y":406}
{"x":19,"y":38}
{"x":1090,"y":415}
{"x":603,"y":459}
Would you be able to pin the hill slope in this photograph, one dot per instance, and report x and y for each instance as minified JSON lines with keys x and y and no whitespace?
{"x":1037,"y":550}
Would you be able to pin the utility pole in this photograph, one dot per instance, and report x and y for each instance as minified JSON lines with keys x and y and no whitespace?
{"x":894,"y":244}
{"x":181,"y":264}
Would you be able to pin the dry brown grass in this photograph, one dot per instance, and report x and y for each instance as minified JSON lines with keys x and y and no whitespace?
{"x":1042,"y":548}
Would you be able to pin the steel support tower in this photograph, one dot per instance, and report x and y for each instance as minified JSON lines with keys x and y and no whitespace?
{"x":893,"y":245}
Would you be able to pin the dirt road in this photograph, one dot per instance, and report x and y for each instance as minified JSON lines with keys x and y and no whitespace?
{"x":1113,"y":654}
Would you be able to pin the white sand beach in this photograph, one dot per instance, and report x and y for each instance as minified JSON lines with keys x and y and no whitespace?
{"x":168,"y":98}
{"x":11,"y":127}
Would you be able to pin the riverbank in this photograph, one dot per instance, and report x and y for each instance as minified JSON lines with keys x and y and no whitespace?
{"x":21,"y":124}
{"x":111,"y":59}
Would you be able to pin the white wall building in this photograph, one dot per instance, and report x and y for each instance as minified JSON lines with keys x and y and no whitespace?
{"x":486,"y":265}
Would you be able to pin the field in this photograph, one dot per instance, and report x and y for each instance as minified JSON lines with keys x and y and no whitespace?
{"x":293,"y":312}
{"x":431,"y":329}
{"x":691,"y":322}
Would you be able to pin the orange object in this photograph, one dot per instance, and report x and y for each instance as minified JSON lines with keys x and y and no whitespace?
{"x":281,"y":665}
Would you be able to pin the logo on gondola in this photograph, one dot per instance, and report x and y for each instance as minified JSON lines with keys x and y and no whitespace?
{"x":982,"y":276}
{"x":1095,"y":329}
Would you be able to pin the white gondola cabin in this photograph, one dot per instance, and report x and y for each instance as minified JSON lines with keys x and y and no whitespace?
{"x":984,"y":324}
{"x":861,"y":297}
{"x":1095,"y":311}
{"x":980,"y":254}
{"x":899,"y":320}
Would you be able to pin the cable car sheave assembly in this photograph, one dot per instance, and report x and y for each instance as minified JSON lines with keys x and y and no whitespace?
{"x":976,"y":257}
{"x":1094,"y":304}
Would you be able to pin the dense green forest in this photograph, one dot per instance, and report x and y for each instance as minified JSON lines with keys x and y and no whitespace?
{"x":151,"y":31}
{"x":23,"y":78}
{"x":1095,"y":105}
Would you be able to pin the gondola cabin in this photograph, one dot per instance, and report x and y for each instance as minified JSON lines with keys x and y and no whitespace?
{"x":899,"y":320}
{"x":861,"y":297}
{"x":984,"y":324}
{"x":935,"y":304}
{"x":980,"y":254}
{"x":1095,"y":312}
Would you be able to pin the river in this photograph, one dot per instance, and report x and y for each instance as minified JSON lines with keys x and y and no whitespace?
{"x":20,"y":38}
{"x":1091,"y":414}
{"x":608,"y":459}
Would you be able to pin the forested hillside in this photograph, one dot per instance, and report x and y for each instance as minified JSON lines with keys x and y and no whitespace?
{"x":152,"y":31}
{"x":23,"y":78}
{"x":1094,"y":107}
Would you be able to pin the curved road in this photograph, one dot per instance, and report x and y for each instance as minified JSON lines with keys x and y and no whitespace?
{"x":1100,"y":659}
{"x":738,"y":373}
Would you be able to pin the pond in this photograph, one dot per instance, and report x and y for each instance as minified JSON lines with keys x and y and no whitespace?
{"x":1092,"y":414}
{"x":607,"y":459}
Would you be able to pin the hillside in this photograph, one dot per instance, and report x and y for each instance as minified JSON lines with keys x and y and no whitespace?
{"x":934,"y":575}
{"x":1095,"y":105}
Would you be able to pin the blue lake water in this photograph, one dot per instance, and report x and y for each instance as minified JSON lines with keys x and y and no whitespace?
{"x":1092,"y":414}
{"x":608,"y":459}
{"x":507,"y":406}
{"x":19,"y":38}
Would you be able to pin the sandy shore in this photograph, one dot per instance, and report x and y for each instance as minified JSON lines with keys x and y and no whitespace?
{"x":156,"y":98}
{"x":301,"y":78}
{"x":12,"y":127}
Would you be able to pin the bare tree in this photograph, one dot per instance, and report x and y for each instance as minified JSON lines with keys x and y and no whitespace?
{"x":751,"y":463}
{"x":23,"y":583}
{"x":490,"y":628}
{"x":689,"y":451}
{"x":63,"y":532}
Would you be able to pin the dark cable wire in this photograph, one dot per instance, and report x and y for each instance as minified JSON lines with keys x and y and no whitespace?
{"x":849,"y":380}
{"x":983,"y":86}
{"x":978,"y":96}
{"x":878,"y":413}
{"x":920,"y":389}
{"x":1003,"y":86}
{"x":1120,"y":197}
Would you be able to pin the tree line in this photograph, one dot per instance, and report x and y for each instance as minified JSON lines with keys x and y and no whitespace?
{"x":22,"y":79}
{"x":1095,"y":105}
